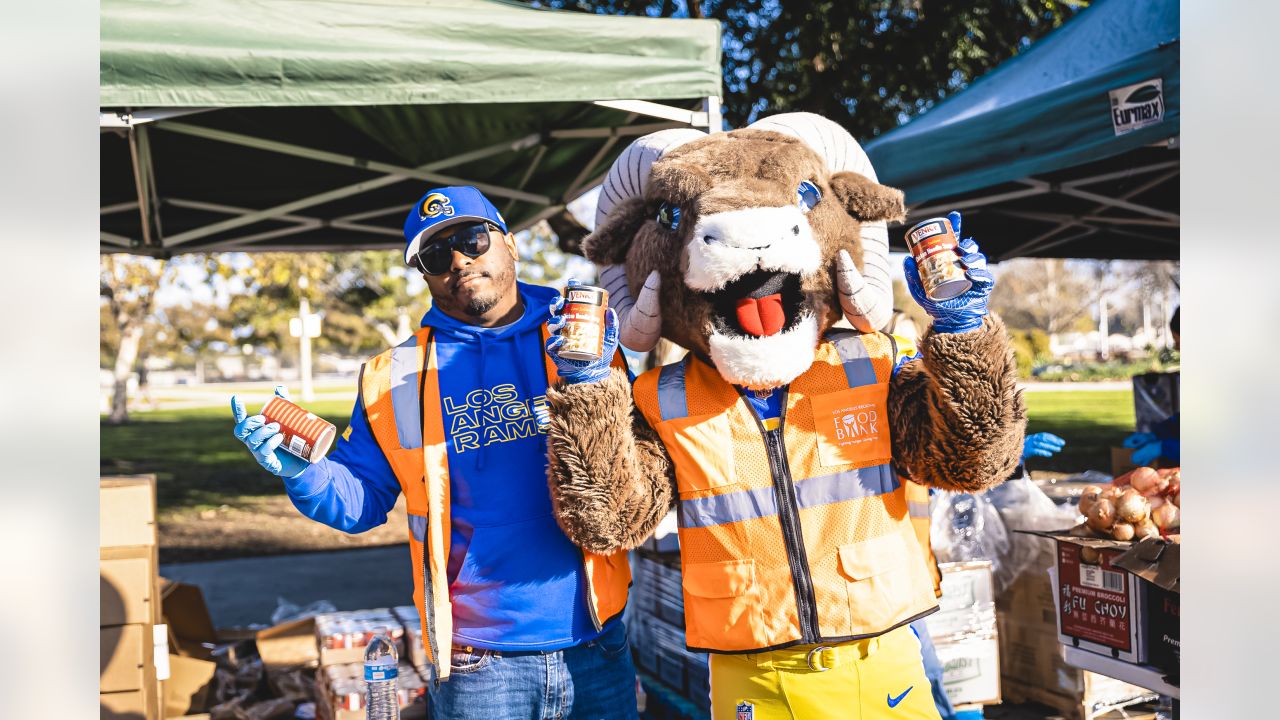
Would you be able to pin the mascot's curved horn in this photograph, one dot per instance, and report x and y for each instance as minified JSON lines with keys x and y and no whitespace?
{"x":640,"y":325}
{"x":870,"y":307}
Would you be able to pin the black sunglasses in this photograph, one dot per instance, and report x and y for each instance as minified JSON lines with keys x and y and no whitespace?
{"x":471,"y":239}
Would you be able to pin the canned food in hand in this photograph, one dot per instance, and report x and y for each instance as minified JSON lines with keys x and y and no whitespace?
{"x":583,"y":329}
{"x":933,"y":244}
{"x":306,"y":434}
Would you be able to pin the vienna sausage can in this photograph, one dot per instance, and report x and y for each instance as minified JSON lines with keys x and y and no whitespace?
{"x":583,"y":329}
{"x":933,"y":244}
{"x":306,"y":434}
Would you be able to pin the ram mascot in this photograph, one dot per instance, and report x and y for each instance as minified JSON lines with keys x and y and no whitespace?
{"x":796,"y":452}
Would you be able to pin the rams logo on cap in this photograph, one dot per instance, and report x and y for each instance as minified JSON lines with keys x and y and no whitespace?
{"x":435,"y":205}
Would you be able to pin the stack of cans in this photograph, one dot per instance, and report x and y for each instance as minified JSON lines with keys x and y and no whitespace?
{"x":343,"y":636}
{"x":342,"y":687}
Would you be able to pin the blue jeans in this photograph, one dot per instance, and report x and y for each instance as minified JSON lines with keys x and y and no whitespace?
{"x":593,"y":681}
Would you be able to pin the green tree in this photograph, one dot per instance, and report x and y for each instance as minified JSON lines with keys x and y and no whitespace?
{"x":127,"y":287}
{"x":867,"y":64}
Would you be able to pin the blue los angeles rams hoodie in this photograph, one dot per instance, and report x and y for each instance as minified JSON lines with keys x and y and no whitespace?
{"x":515,"y":579}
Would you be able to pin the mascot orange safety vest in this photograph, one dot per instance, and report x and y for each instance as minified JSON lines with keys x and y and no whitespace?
{"x":850,"y":565}
{"x":397,"y":385}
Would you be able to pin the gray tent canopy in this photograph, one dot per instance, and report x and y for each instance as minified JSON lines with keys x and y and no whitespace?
{"x":1069,"y":149}
{"x":314,"y":125}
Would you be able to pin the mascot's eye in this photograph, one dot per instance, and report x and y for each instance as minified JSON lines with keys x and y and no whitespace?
{"x":807,"y":195}
{"x":669,"y":216}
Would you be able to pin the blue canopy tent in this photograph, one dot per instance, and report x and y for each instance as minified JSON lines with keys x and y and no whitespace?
{"x":1069,"y":149}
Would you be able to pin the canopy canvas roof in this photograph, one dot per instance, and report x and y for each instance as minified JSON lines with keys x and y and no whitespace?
{"x":315,"y":124}
{"x":1069,"y":149}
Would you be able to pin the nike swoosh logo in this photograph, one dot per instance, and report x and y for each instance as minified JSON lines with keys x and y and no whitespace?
{"x":893,"y":701}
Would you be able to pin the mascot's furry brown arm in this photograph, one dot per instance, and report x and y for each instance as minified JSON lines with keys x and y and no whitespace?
{"x":785,"y":219}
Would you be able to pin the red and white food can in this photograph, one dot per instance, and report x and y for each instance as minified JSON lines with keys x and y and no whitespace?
{"x":583,"y":329}
{"x":306,"y":434}
{"x":933,"y":244}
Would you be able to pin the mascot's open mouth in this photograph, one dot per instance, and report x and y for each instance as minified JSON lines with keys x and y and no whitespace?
{"x":758,"y":304}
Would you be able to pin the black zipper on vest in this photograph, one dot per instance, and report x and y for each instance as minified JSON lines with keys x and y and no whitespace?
{"x":784,"y":492}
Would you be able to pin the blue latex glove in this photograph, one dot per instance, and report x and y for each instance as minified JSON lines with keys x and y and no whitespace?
{"x":1148,"y":453}
{"x":1139,"y":439}
{"x":580,"y":371}
{"x":963,"y":312}
{"x":263,"y":438}
{"x":1042,"y":445}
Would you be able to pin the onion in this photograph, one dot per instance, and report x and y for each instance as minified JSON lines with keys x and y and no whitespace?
{"x":1110,"y":492}
{"x":1090,"y":556}
{"x":1145,"y":480}
{"x":1088,"y":498}
{"x":1122,"y":531}
{"x":1102,"y":515}
{"x":1081,"y":530}
{"x":1177,"y":499}
{"x":1175,"y":487}
{"x":1155,"y":501}
{"x":1146,"y":529}
{"x":1132,"y":507}
{"x":1166,"y":517}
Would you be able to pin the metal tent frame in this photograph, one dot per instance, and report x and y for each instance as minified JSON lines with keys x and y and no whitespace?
{"x":239,"y":228}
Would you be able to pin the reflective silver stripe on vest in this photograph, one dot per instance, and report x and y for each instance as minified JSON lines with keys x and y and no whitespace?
{"x":672,"y":402}
{"x":418,"y":526}
{"x":855,"y":358}
{"x":405,"y":405}
{"x":918,"y":509}
{"x":813,"y":492}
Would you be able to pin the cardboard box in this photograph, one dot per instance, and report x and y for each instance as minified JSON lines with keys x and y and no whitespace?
{"x":967,"y":605}
{"x":1157,"y":563}
{"x":189,"y":686}
{"x":184,"y":610}
{"x":123,"y":657}
{"x":1032,"y":667}
{"x":127,"y":511}
{"x":971,"y":670}
{"x":129,"y":705}
{"x":1100,"y":605}
{"x":289,"y":645}
{"x":126,"y":590}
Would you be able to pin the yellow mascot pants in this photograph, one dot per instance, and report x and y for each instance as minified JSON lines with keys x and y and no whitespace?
{"x":882,"y":677}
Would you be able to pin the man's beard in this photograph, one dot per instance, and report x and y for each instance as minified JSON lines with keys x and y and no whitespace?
{"x":480,"y":304}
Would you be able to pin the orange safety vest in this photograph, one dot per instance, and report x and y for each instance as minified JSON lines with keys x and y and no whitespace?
{"x":397,"y":386}
{"x":918,"y":509}
{"x":796,"y":535}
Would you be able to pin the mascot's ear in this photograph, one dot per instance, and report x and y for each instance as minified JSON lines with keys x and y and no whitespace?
{"x":866,"y":200}
{"x":609,"y":242}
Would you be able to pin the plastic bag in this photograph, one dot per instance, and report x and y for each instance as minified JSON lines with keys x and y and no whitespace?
{"x":286,"y":611}
{"x":1023,"y":506}
{"x":966,"y":526}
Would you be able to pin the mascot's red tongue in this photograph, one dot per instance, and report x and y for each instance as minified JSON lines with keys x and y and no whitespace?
{"x":761,"y":316}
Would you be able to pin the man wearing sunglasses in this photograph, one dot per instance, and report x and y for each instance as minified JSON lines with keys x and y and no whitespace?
{"x":517,"y":622}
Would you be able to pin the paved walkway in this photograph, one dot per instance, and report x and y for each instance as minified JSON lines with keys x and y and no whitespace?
{"x":245,"y":591}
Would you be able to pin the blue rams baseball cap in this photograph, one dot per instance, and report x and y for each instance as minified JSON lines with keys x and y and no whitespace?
{"x":444,"y":207}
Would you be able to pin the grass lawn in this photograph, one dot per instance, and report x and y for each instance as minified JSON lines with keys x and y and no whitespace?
{"x":1091,"y":422}
{"x":197,"y":462}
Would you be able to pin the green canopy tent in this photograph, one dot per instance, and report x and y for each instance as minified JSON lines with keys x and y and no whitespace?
{"x":313,"y":124}
{"x":1069,"y":149}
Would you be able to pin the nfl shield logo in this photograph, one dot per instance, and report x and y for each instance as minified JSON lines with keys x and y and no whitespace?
{"x":746,"y":711}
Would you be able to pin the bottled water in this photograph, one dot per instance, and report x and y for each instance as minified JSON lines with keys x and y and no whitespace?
{"x":966,"y":528}
{"x":381,"y":665}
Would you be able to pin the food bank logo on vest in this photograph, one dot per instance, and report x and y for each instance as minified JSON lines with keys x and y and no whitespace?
{"x":496,"y":415}
{"x":1137,"y":106}
{"x":858,"y":424}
